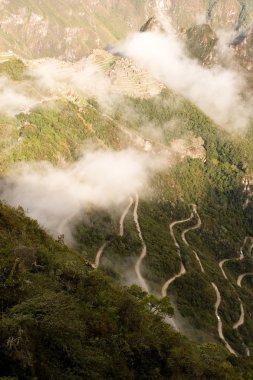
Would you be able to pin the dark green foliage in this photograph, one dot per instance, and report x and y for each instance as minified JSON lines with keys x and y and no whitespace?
{"x":62,"y":320}
{"x":215,"y":185}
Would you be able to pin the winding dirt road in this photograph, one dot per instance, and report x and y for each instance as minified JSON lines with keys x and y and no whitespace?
{"x":144,"y":247}
{"x":98,"y":255}
{"x":241,"y":257}
{"x":174,"y":224}
{"x":197,"y":225}
{"x":182,"y":268}
{"x":123,"y":216}
{"x":220,"y":327}
{"x":241,"y":277}
{"x":172,"y":279}
{"x":121,"y":233}
{"x":240,"y":321}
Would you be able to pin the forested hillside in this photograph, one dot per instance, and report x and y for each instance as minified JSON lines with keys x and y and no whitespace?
{"x":60,"y":319}
{"x":126,"y":188}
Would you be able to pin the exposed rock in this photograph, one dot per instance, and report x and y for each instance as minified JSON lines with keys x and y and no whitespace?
{"x":192,"y":148}
{"x":67,"y":29}
{"x":244,"y":52}
{"x":201,"y":41}
{"x":225,"y":14}
{"x":152,"y":25}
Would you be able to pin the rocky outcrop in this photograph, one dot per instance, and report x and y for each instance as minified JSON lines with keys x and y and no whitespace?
{"x":244,"y":51}
{"x":229,"y":14}
{"x":152,"y":25}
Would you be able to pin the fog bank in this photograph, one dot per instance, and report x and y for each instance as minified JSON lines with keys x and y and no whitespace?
{"x":99,"y":179}
{"x":218,"y":92}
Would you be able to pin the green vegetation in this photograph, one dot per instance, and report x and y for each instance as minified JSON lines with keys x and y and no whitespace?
{"x":56,"y":310}
{"x":14,"y":69}
{"x":62,"y":320}
{"x":215,"y":185}
{"x":56,"y":133}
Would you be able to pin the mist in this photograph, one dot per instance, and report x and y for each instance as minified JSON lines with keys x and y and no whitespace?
{"x":13,"y":99}
{"x":99,"y":179}
{"x":62,"y":78}
{"x":218,"y":92}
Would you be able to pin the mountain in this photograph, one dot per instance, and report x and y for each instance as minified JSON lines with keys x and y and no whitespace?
{"x":235,"y":14}
{"x":139,"y":159}
{"x":61,"y":319}
{"x":67,"y":29}
{"x":70,"y":30}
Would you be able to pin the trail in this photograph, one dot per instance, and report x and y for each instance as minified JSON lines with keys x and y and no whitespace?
{"x":182,"y":268}
{"x":241,"y":277}
{"x":98,"y":256}
{"x":198,"y":225}
{"x":144,"y":247}
{"x":123,"y":216}
{"x":220,"y":327}
{"x":240,"y":321}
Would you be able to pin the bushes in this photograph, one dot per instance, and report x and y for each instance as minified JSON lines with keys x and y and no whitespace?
{"x":14,"y":69}
{"x":69,"y":322}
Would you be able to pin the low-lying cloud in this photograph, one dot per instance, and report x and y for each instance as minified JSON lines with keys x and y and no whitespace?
{"x":217,"y":92}
{"x":83,"y":76}
{"x":12,"y":98}
{"x":99,"y":179}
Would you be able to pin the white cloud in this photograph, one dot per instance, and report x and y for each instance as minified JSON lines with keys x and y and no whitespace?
{"x":83,"y":76}
{"x":216,"y":91}
{"x":12,"y":99}
{"x":99,"y":179}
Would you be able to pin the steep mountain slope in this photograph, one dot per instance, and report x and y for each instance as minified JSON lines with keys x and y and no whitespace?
{"x":70,"y":30}
{"x":231,"y":14}
{"x":62,"y":320}
{"x":211,"y":177}
{"x":188,"y":235}
{"x":66,"y":29}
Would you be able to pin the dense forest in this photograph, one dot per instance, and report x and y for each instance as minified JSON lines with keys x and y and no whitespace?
{"x":61,"y":319}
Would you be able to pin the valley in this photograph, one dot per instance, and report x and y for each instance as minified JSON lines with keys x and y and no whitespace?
{"x":126,"y":168}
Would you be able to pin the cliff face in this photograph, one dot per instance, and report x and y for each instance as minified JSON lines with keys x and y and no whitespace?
{"x":228,"y":14}
{"x":46,"y":28}
{"x":71,"y":29}
{"x":244,"y":51}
